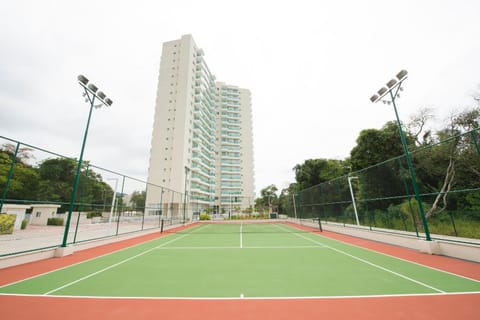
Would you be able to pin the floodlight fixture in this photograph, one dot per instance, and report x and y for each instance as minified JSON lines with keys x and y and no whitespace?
{"x":402,"y":75}
{"x":391,"y":83}
{"x":108,"y":102}
{"x":82,"y":79}
{"x":101,"y":95}
{"x":374,"y":98}
{"x":92,"y":87}
{"x":382,"y":91}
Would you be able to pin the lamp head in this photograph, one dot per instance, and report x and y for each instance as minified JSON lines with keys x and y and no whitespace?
{"x":82,"y":79}
{"x":382,"y":91}
{"x":101,"y":95}
{"x":391,"y":83}
{"x":402,"y":75}
{"x":374,"y":98}
{"x":92,"y":87}
{"x":108,"y":102}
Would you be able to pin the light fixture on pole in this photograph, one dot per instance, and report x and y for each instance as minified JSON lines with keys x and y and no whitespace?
{"x":394,"y":86}
{"x":90,"y":94}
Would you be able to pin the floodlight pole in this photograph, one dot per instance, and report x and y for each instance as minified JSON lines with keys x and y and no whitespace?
{"x":91,"y":94}
{"x":353,"y":198}
{"x":412,"y":172}
{"x":394,"y":85}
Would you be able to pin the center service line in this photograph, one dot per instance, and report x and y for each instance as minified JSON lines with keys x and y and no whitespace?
{"x":241,"y":234}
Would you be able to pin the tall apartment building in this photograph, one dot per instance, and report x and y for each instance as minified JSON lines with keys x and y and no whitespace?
{"x":202,"y":137}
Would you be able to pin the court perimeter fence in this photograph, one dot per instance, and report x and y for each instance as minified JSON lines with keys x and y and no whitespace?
{"x":36,"y":187}
{"x":381,"y":197}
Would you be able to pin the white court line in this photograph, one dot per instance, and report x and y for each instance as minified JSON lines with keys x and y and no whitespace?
{"x":373,"y":264}
{"x":243,"y":247}
{"x":241,"y":235}
{"x":117,"y":264}
{"x":248,"y":298}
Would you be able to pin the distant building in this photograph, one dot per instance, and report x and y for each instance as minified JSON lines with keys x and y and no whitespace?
{"x":202,"y":140}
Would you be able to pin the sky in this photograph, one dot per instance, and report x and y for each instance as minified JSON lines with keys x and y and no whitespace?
{"x":311,"y":67}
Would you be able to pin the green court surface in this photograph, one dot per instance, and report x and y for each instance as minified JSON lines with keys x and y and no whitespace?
{"x":243,"y":261}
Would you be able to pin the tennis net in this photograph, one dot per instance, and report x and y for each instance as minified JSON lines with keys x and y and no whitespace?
{"x":242,"y":226}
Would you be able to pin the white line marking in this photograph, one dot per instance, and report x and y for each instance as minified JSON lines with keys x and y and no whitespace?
{"x":395,"y":257}
{"x":241,"y":235}
{"x":373,"y":264}
{"x":117,"y":264}
{"x":244,"y":247}
{"x":248,"y":298}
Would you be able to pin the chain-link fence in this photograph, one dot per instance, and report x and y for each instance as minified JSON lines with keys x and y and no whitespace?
{"x":382,"y":197}
{"x":36,"y":192}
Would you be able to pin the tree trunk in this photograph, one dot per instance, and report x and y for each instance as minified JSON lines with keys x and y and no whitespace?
{"x":446,"y":187}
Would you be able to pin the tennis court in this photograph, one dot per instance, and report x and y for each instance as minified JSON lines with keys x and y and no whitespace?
{"x":243,"y":261}
{"x":242,"y":271}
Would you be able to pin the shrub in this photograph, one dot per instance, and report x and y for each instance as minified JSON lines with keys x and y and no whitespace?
{"x":7,"y":222}
{"x":55,"y":222}
{"x":204,"y":216}
{"x":24,"y":224}
{"x":93,"y":214}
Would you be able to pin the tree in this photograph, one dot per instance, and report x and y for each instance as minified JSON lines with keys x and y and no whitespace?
{"x":57,"y":175}
{"x":137,"y":199}
{"x":315,"y":171}
{"x":382,"y":179}
{"x":417,"y":126}
{"x":268,"y":197}
{"x":285,"y":200}
{"x":375,"y":146}
{"x":25,"y":180}
{"x":457,"y":155}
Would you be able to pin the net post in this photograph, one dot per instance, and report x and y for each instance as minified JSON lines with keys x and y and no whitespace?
{"x":161,"y":227}
{"x":320,"y":223}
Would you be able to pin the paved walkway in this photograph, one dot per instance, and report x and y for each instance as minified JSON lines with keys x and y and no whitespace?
{"x":39,"y":237}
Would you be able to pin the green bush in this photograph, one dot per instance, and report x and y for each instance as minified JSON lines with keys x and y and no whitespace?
{"x":7,"y":222}
{"x":93,"y":214}
{"x":204,"y":216}
{"x":24,"y":224}
{"x":55,"y":222}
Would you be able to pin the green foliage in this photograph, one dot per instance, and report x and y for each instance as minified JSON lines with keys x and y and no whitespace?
{"x":24,"y":224}
{"x":25,"y":179}
{"x":55,"y":222}
{"x":93,"y":214}
{"x":7,"y":222}
{"x":51,"y":181}
{"x":315,"y":171}
{"x":204,"y":216}
{"x":137,"y":199}
{"x":375,"y":146}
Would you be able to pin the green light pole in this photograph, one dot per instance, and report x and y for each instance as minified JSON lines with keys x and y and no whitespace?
{"x":91,"y":93}
{"x":393,"y":87}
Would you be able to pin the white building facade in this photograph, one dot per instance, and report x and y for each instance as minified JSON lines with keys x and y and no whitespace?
{"x":202,"y":141}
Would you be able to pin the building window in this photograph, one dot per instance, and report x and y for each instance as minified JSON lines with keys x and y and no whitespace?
{"x":38,"y":214}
